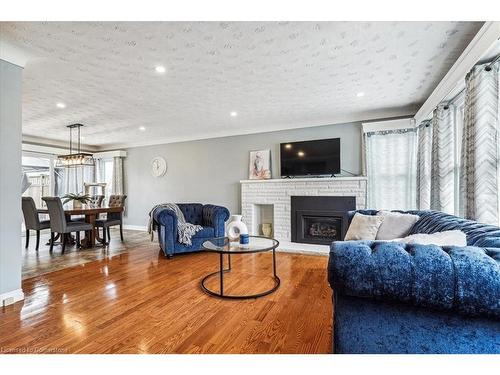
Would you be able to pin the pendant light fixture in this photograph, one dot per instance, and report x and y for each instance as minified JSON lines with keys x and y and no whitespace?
{"x":77,"y":159}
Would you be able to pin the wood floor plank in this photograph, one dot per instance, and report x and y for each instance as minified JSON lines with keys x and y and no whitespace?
{"x":128,"y":298}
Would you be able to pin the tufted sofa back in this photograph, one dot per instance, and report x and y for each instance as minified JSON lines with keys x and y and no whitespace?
{"x":193,"y":212}
{"x":478,"y":234}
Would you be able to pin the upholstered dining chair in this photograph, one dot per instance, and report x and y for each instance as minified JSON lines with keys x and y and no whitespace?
{"x":32,"y":220}
{"x":96,"y":200}
{"x":112,"y":218}
{"x":58,"y":223}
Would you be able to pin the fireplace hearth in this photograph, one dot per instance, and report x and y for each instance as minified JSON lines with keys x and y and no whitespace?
{"x":320,"y":219}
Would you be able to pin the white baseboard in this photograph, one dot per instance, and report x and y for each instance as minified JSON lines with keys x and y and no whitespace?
{"x":11,"y":297}
{"x":135,"y":227}
{"x":303,"y":248}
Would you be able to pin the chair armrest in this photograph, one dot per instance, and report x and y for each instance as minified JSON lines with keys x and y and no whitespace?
{"x":165,"y":217}
{"x":215,"y":217}
{"x":167,"y":231}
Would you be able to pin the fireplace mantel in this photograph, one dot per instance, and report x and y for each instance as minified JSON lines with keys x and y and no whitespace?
{"x":276,"y":193}
{"x":304,"y":179}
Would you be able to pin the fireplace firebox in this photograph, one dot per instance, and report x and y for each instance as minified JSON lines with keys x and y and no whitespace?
{"x":320,"y":219}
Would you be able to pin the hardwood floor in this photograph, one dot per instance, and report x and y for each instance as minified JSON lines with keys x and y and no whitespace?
{"x":40,"y":262}
{"x":139,"y":302}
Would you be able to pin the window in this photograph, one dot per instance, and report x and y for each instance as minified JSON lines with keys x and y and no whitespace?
{"x":40,"y":175}
{"x":71,"y":180}
{"x":105,"y":174}
{"x":391,"y":169}
{"x":46,"y":179}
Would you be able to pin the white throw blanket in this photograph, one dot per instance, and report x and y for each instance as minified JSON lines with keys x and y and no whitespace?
{"x":445,"y":238}
{"x":185,"y":230}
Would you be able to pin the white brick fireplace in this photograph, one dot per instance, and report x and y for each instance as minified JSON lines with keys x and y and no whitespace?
{"x":269,"y":201}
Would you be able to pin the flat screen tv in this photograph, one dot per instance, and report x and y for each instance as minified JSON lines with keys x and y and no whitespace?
{"x":310,"y":158}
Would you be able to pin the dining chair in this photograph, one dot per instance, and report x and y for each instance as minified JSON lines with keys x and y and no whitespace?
{"x":96,"y":200}
{"x":112,"y":218}
{"x":58,"y":223}
{"x":32,"y":220}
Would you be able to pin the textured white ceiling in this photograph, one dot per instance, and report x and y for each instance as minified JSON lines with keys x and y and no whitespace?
{"x":276,"y":75}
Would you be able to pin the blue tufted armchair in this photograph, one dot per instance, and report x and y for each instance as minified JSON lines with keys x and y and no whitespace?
{"x":212,"y":218}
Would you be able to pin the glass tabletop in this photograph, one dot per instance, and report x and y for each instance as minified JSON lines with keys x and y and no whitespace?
{"x":256,"y":244}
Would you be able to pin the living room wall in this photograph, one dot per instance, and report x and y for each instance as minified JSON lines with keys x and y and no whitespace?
{"x":209,"y":171}
{"x":10,"y":181}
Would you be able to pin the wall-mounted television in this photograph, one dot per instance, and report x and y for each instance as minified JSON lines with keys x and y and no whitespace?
{"x":310,"y":158}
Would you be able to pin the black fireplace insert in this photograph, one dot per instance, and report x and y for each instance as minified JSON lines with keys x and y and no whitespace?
{"x":320,"y":220}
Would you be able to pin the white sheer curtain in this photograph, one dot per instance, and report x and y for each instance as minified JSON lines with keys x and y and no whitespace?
{"x":443,"y":158}
{"x":391,"y":169}
{"x":424,"y":147}
{"x":105,"y":173}
{"x":117,"y":184}
{"x":438,"y":158}
{"x":465,"y":154}
{"x":480,"y":173}
{"x":73,"y":179}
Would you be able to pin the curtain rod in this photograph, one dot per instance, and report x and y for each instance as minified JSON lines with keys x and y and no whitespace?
{"x":456,"y":96}
{"x":495,"y":59}
{"x":488,"y":67}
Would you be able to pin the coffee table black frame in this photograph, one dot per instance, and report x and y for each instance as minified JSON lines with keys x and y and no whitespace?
{"x":221,"y":251}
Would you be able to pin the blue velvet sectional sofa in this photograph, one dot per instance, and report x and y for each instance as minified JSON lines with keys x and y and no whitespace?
{"x":212,"y":218}
{"x":391,"y":297}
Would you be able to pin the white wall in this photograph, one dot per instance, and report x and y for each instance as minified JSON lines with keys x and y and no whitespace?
{"x":209,"y":171}
{"x":10,"y":181}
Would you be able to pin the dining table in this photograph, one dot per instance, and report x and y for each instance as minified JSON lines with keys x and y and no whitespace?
{"x":90,"y":214}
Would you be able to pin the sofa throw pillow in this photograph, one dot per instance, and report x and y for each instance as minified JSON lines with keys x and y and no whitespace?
{"x":446,"y":238}
{"x":395,"y":225}
{"x":363,"y":227}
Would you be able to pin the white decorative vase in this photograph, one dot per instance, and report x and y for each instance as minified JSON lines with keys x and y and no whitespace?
{"x":267,"y":229}
{"x":236,"y":227}
{"x":77,"y":205}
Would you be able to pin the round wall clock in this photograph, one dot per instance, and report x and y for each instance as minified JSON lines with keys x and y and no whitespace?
{"x":158,"y":166}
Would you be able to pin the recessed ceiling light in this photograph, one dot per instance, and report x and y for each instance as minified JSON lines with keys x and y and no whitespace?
{"x":142,"y":128}
{"x":233,"y":114}
{"x":360,"y":94}
{"x":300,"y":153}
{"x":60,"y":105}
{"x":288,"y":146}
{"x":160,"y":69}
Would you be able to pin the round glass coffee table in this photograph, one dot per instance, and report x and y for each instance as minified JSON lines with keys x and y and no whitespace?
{"x":222,"y":245}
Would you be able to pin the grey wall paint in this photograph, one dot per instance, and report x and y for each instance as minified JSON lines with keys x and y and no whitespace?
{"x":10,"y":177}
{"x":209,"y":171}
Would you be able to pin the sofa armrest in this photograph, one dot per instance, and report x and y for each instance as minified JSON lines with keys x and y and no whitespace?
{"x":464,"y":279}
{"x":167,"y":231}
{"x":215,"y":217}
{"x":166,"y":217}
